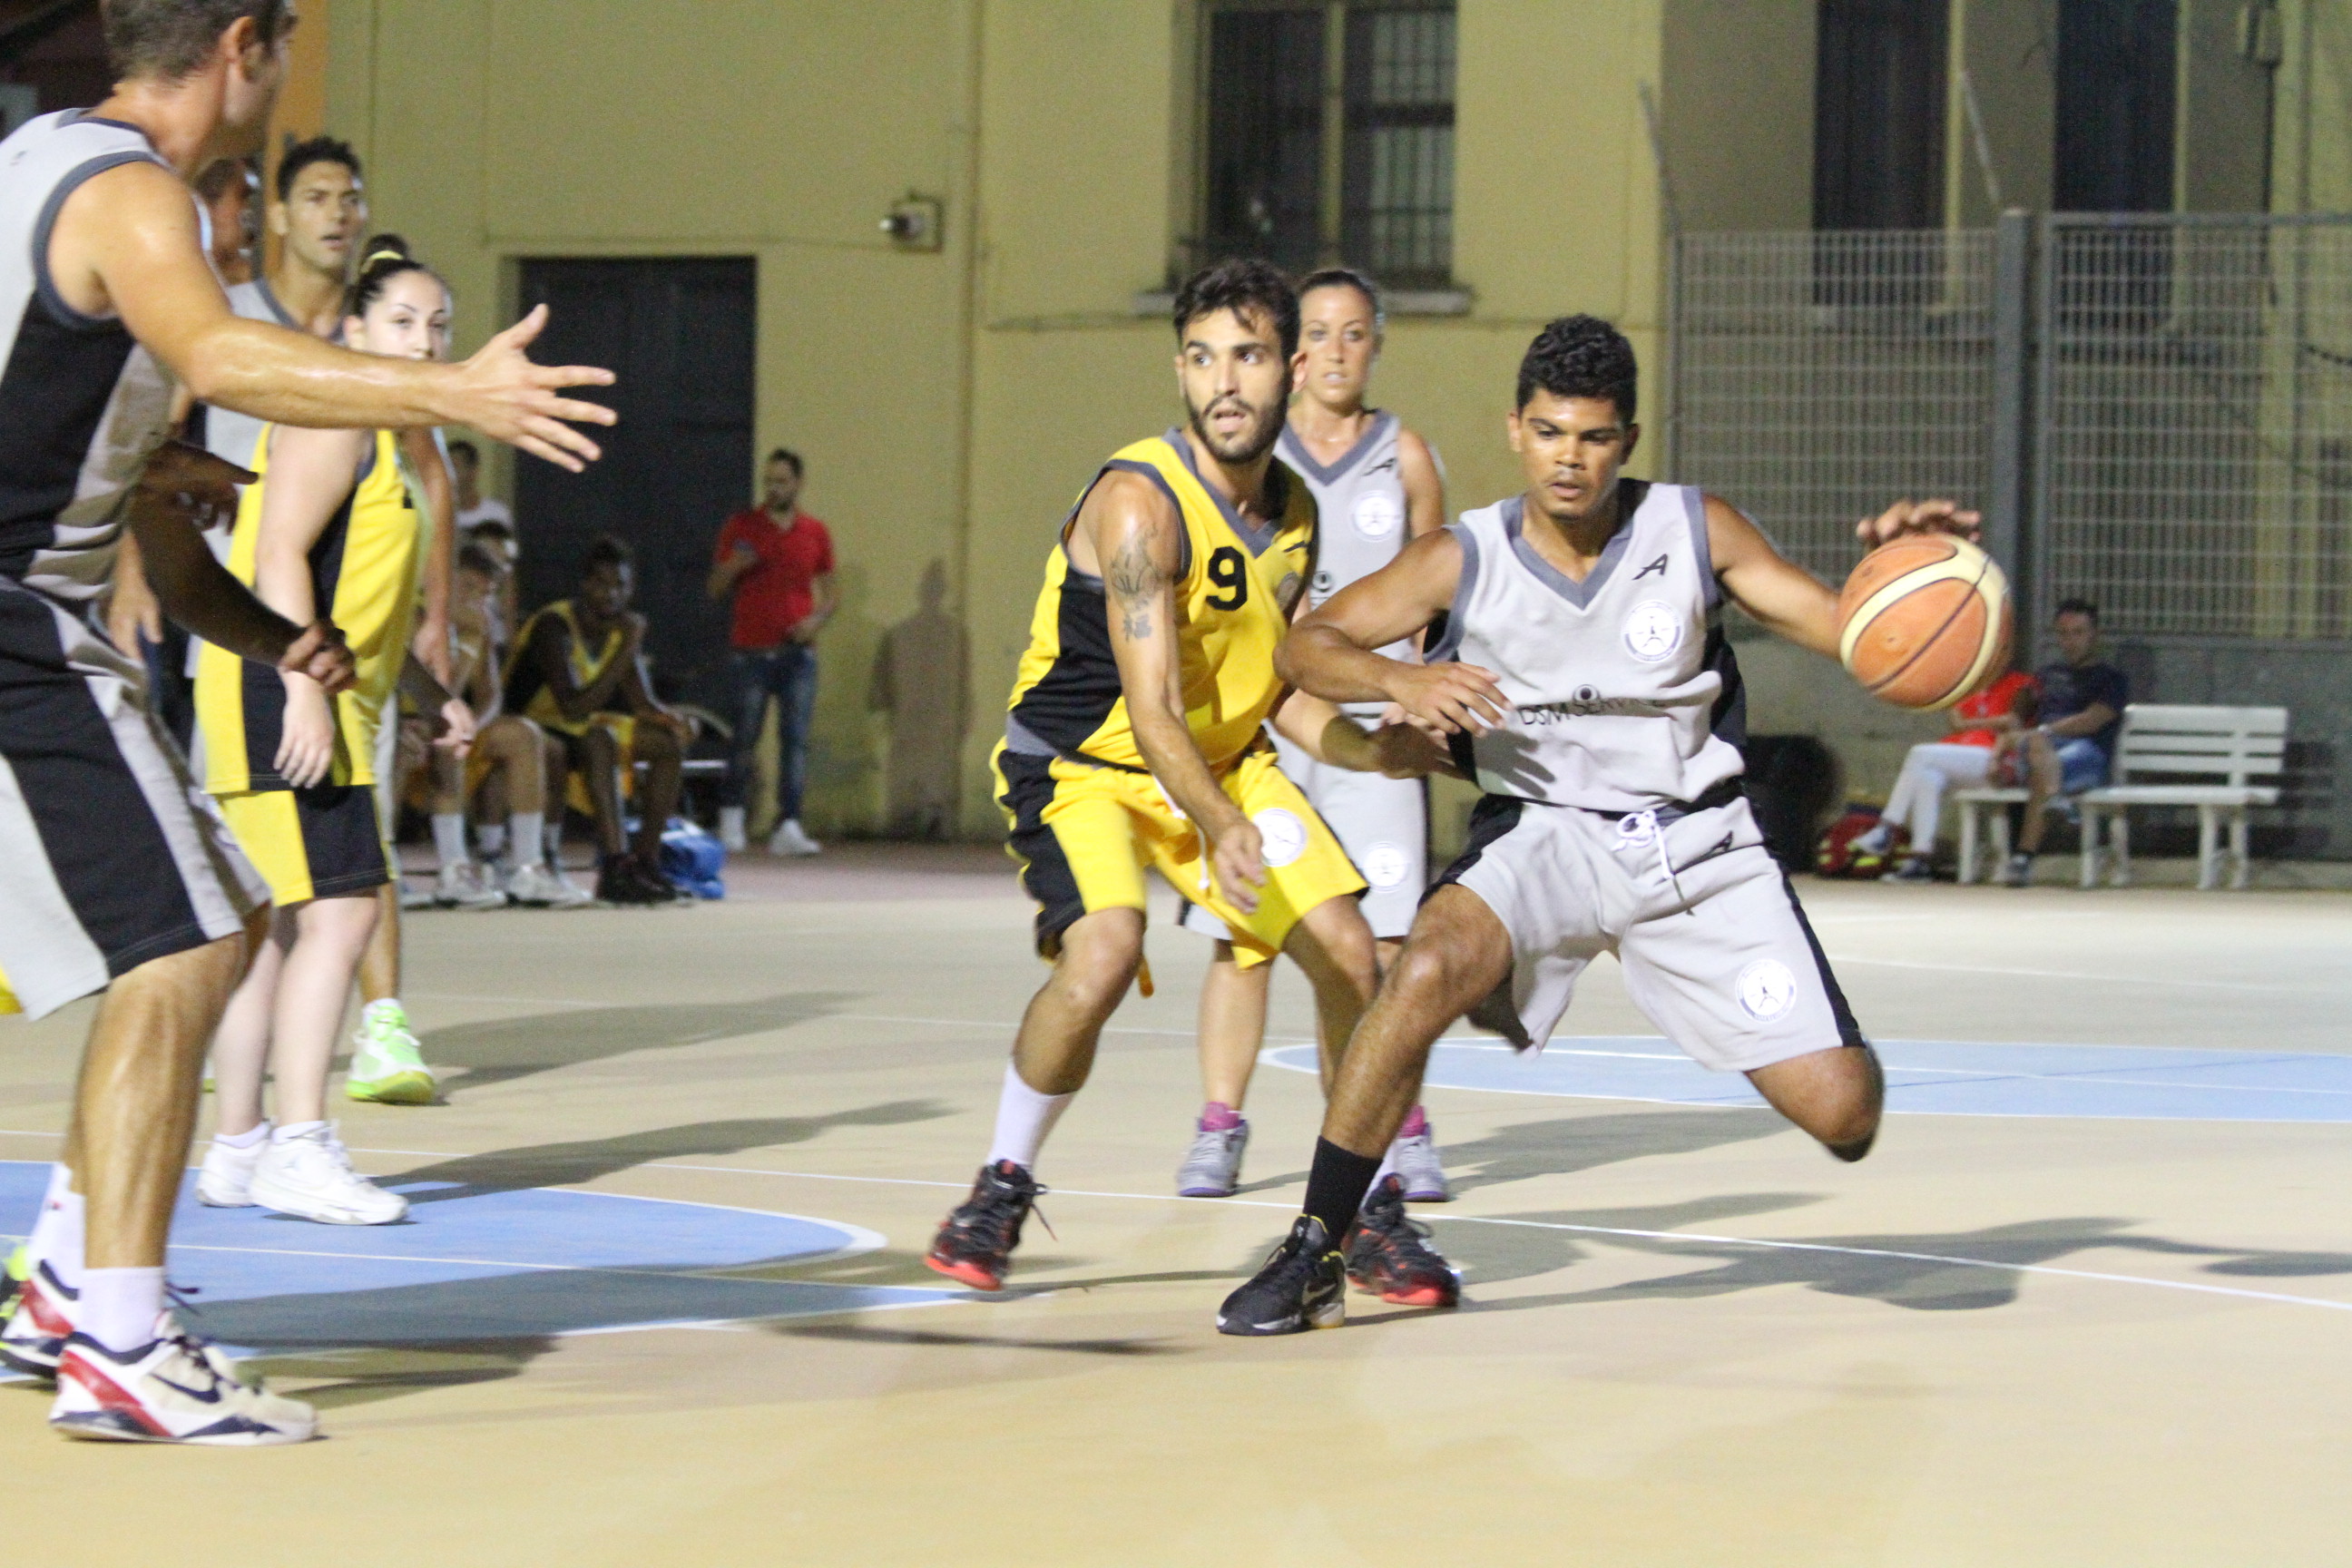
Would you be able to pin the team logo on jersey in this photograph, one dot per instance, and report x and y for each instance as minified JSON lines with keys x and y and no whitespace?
{"x":1766,"y":989}
{"x":1383,"y":866}
{"x":1653,"y":631}
{"x":1282,"y":837}
{"x":1377,"y":516}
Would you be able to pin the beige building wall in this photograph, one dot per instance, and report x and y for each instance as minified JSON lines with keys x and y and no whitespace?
{"x":951,"y":404}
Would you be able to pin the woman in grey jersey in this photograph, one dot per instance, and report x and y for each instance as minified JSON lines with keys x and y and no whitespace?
{"x":1377,"y":486}
{"x":1586,"y":684}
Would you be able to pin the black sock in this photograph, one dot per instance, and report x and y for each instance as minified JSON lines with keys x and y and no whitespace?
{"x":1335,"y":1185}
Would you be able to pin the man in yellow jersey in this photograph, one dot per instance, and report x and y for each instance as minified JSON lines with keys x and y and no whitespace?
{"x":579,"y":673}
{"x":1136,"y":738}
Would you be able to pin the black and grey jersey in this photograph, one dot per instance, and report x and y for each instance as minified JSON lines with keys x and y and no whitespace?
{"x":83,"y":405}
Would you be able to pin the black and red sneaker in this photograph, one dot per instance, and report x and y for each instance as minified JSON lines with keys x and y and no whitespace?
{"x":1388,"y":1257}
{"x":975,"y":1244}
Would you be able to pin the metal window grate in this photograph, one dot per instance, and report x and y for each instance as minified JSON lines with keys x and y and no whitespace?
{"x":2195,"y":424}
{"x":1820,"y":376}
{"x":1398,"y":218}
{"x":1264,"y":163}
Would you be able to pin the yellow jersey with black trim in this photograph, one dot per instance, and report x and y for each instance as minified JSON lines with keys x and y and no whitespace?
{"x":364,"y":572}
{"x":1235,"y":587}
{"x":527,"y":692}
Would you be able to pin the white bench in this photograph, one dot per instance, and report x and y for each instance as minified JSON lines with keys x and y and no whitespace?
{"x":2207,"y":757}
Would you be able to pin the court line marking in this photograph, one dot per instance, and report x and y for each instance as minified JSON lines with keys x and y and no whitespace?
{"x":1690,"y":1237}
{"x":2079,"y":975}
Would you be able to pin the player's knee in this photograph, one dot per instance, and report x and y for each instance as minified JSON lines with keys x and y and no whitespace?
{"x":1850,"y":1122}
{"x":1422,"y":969}
{"x":1099,"y":959}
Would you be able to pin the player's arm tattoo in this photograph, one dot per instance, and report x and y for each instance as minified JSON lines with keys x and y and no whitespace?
{"x":1136,"y":581}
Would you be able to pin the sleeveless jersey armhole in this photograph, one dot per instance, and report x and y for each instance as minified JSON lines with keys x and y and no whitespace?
{"x":1465,"y":585}
{"x":1702,"y":548}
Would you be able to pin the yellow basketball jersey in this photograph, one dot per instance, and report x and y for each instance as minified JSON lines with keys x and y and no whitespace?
{"x":528,"y":695}
{"x":1232,"y":595}
{"x":364,"y":577}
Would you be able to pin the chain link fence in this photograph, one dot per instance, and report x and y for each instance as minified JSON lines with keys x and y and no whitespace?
{"x":2194,"y":422}
{"x":1819,"y":376}
{"x":2187,"y":428}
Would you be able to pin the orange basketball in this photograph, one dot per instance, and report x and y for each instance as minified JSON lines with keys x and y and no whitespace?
{"x":1925,"y":621}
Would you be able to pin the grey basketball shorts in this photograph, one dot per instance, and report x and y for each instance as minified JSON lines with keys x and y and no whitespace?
{"x":1715,"y":948}
{"x":1381,"y":822}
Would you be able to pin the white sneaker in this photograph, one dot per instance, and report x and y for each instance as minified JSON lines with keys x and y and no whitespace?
{"x":462,"y":886}
{"x":730,"y":828}
{"x":175,"y":1389}
{"x":225,"y":1181}
{"x":309,"y":1176}
{"x":543,"y":889}
{"x":1418,"y":1166}
{"x":788,"y":840}
{"x":413,"y":897}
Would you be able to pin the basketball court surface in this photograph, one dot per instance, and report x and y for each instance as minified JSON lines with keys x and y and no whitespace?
{"x":661,"y":1299}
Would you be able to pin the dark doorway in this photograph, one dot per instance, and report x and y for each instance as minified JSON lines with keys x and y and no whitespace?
{"x":682,"y":337}
{"x":2118,"y":72}
{"x":1878,"y":116}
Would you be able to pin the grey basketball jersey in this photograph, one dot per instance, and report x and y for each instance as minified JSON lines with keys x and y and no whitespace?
{"x":1364,"y":521}
{"x":1623,"y":695}
{"x":228,"y":435}
{"x":82,"y":407}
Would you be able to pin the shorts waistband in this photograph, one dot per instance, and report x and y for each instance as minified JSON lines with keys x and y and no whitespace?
{"x":1724,"y":794}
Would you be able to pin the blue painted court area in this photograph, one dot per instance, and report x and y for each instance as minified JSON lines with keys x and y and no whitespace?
{"x":522,"y":1264}
{"x":1930,"y":1078}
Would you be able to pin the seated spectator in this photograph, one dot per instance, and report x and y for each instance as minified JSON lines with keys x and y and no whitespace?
{"x":578,"y":671}
{"x":1963,"y":760}
{"x":506,"y":777}
{"x":2073,"y":748}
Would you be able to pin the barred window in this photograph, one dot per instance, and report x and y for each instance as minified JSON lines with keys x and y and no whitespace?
{"x":1329,"y":136}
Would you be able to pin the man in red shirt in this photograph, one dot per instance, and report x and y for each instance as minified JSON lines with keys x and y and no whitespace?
{"x":777,"y":562}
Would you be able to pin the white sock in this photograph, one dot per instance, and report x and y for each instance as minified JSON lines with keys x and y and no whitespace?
{"x":1876,"y":841}
{"x":293,"y":1130}
{"x":531,"y":834}
{"x":56,"y":1238}
{"x":245,"y":1139}
{"x":119,"y":1306}
{"x":449,"y":837}
{"x":1023,"y":1117}
{"x":491,"y":836}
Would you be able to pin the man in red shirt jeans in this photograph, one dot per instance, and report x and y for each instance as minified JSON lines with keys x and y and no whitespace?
{"x":777,"y":562}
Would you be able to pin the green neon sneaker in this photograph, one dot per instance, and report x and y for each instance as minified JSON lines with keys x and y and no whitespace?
{"x":386,"y":1067}
{"x":12,"y":1285}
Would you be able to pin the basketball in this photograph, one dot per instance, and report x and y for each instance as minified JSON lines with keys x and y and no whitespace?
{"x":1924,"y":622}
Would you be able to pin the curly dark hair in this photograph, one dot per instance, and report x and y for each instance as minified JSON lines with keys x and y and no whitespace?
{"x":1246,"y":287}
{"x":608,"y":549}
{"x":1580,"y":356}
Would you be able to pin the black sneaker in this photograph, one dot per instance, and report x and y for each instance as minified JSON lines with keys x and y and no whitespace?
{"x":976,"y":1241}
{"x":1302,"y":1286}
{"x":1388,"y":1257}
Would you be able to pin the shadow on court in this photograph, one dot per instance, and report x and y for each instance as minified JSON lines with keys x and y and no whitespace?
{"x":1843,"y":1265}
{"x":1567,"y":1144}
{"x":570,"y":1164}
{"x":502,"y":1050}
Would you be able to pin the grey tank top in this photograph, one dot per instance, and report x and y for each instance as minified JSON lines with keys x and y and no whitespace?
{"x":1623,"y":694}
{"x":1363,"y":518}
{"x":82,"y":407}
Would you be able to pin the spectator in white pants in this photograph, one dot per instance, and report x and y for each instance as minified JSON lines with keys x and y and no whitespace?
{"x":1963,"y":760}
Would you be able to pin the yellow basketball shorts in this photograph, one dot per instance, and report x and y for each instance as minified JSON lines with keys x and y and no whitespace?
{"x":316,"y":843}
{"x":1085,"y":835}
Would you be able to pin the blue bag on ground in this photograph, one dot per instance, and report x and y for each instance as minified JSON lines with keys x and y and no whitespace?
{"x":693,"y":859}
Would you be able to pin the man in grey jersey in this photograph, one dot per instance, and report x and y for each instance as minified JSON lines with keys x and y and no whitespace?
{"x":1585,"y":682}
{"x":116,"y":877}
{"x":1377,"y":487}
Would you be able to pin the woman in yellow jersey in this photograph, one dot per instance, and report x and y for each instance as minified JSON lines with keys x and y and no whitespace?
{"x":333,"y":529}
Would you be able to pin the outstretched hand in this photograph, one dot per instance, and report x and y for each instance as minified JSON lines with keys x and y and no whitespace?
{"x":506,"y":398}
{"x":1907,"y":516}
